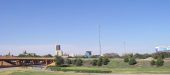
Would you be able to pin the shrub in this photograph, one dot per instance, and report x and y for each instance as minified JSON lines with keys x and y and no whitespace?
{"x":94,"y":62}
{"x":152,"y":62}
{"x":79,"y":62}
{"x":162,"y":56}
{"x":59,"y":60}
{"x":159,"y":62}
{"x":126,"y":59}
{"x":105,"y":61}
{"x":74,"y":61}
{"x":111,"y":55}
{"x":142,"y":56}
{"x":68,"y":61}
{"x":99,"y":62}
{"x":132,"y":61}
{"x":131,"y":55}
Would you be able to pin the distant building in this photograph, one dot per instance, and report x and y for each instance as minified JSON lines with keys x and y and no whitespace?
{"x":88,"y":54}
{"x":162,"y":49}
{"x":58,"y":51}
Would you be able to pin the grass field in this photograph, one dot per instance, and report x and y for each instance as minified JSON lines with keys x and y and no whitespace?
{"x":117,"y":66}
{"x":143,"y":66}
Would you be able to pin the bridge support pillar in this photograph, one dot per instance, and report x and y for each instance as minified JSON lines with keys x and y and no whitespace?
{"x":1,"y":63}
{"x":33,"y":62}
{"x":46,"y":62}
{"x":18,"y":62}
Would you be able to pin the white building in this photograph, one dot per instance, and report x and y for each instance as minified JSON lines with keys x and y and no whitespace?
{"x":162,"y":48}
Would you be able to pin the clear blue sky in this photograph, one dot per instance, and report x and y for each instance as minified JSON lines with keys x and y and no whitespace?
{"x":38,"y":25}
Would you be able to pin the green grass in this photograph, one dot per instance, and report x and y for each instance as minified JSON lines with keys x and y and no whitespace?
{"x":138,"y":70}
{"x":118,"y":66}
{"x":143,"y":66}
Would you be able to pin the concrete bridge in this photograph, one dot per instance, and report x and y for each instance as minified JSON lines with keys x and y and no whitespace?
{"x":6,"y":61}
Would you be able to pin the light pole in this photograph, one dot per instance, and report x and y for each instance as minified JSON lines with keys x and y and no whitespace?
{"x":99,"y":40}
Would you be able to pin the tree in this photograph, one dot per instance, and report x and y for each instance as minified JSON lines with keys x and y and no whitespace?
{"x":162,"y":56}
{"x":99,"y":62}
{"x":68,"y":61}
{"x":21,"y":55}
{"x":111,"y":55}
{"x":59,"y":60}
{"x":94,"y":62}
{"x":131,"y":55}
{"x":142,"y":56}
{"x":159,"y":62}
{"x":126,"y":59}
{"x":25,"y":52}
{"x":132,"y":61}
{"x":74,"y":61}
{"x":152,"y":62}
{"x":48,"y":55}
{"x":105,"y":61}
{"x":79,"y":62}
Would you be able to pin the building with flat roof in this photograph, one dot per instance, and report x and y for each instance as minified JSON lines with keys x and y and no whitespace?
{"x":59,"y":52}
{"x":162,"y":48}
{"x":88,"y":54}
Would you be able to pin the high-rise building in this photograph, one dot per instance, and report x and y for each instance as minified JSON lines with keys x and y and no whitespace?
{"x":88,"y":54}
{"x":59,"y":52}
{"x":57,"y":47}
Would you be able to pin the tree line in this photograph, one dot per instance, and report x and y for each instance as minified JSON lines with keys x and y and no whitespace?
{"x":60,"y":61}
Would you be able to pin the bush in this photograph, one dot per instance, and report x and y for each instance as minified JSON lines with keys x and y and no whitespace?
{"x":152,"y":62}
{"x":105,"y":61}
{"x":79,"y":62}
{"x":68,"y":61}
{"x":111,"y":55}
{"x":131,"y":55}
{"x":142,"y":56}
{"x":59,"y":60}
{"x":74,"y":61}
{"x":126,"y":59}
{"x":159,"y":62}
{"x":162,"y":56}
{"x":94,"y":62}
{"x":132,"y":61}
{"x":99,"y":62}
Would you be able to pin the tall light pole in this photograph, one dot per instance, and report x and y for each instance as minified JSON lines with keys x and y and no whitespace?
{"x":99,"y":40}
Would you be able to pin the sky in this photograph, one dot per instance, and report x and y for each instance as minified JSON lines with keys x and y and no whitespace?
{"x":127,"y":26}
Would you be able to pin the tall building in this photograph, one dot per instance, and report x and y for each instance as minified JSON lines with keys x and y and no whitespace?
{"x":88,"y":54}
{"x":58,"y":51}
{"x":58,"y":47}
